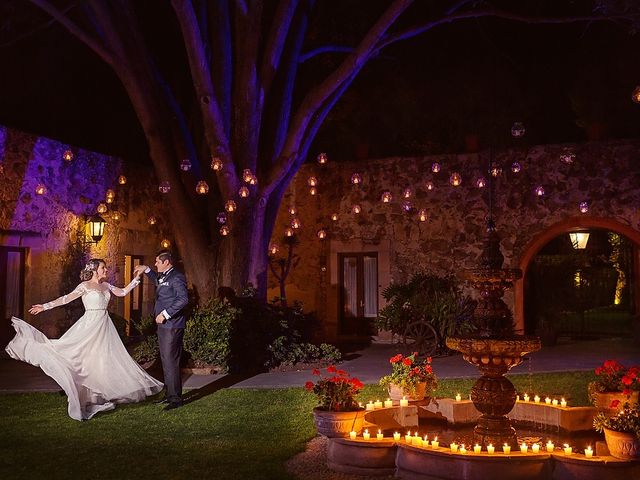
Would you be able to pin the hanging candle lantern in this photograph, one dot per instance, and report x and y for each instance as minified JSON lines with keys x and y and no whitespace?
{"x":407,"y":193}
{"x":407,"y":206}
{"x":429,"y":186}
{"x":495,"y":170}
{"x":295,"y":223}
{"x":185,"y":165}
{"x":517,"y":129}
{"x":334,"y":217}
{"x":247,"y":175}
{"x":583,"y":206}
{"x":516,"y":167}
{"x":455,"y":179}
{"x":165,"y":243}
{"x":386,"y":196}
{"x":292,"y":210}
{"x":243,"y":192}
{"x":152,"y":220}
{"x":288,"y":232}
{"x":356,"y":179}
{"x":164,"y":187}
{"x":322,"y":158}
{"x":110,"y":196}
{"x":567,"y":157}
{"x":253,"y":180}
{"x":116,"y":216}
{"x":356,"y":209}
{"x":67,"y":156}
{"x":102,"y":208}
{"x":224,"y":230}
{"x":230,"y":206}
{"x":221,"y":217}
{"x":422,"y":215}
{"x":41,"y":189}
{"x":202,"y":187}
{"x":539,"y":191}
{"x":122,"y":180}
{"x":321,"y":234}
{"x":216,"y":164}
{"x":481,"y":182}
{"x":635,"y":96}
{"x":273,"y":249}
{"x":313,"y":191}
{"x":312,"y":181}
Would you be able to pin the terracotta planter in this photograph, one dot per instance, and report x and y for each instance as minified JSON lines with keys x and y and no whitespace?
{"x":603,"y":401}
{"x":397,"y":393}
{"x":338,"y":424}
{"x":623,"y":445}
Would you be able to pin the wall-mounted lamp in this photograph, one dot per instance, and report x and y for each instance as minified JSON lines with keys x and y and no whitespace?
{"x":95,"y":229}
{"x":579,"y":240}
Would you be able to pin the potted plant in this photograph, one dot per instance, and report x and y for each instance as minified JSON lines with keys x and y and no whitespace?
{"x":615,"y":385}
{"x":337,"y":412}
{"x":621,"y":431}
{"x":410,"y":378}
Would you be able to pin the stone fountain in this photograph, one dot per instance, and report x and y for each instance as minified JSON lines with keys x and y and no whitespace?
{"x":494,"y":349}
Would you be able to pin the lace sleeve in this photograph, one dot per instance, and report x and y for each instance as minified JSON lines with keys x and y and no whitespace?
{"x":121,"y":292}
{"x":69,"y":297}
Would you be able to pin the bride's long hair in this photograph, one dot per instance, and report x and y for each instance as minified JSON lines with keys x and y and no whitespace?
{"x":91,"y":266}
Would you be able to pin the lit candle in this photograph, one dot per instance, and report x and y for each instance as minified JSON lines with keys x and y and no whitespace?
{"x":435,"y":443}
{"x":563,"y":403}
{"x":477,"y":448}
{"x":517,"y":398}
{"x":454,"y":447}
{"x":425,"y":441}
{"x":379,"y":436}
{"x":536,"y":399}
{"x":360,"y":404}
{"x":547,"y":400}
{"x":490,"y":449}
{"x":554,"y":402}
{"x":588,"y":452}
{"x":458,"y":397}
{"x":506,"y":449}
{"x":366,"y":435}
{"x":567,"y":449}
{"x":396,"y":437}
{"x":550,"y":446}
{"x":535,"y":448}
{"x":404,"y":402}
{"x":352,"y":435}
{"x":407,"y":437}
{"x":523,"y":448}
{"x":370,"y":405}
{"x":526,"y":397}
{"x":388,"y":403}
{"x":416,"y":440}
{"x":462,"y":449}
{"x":377,"y":404}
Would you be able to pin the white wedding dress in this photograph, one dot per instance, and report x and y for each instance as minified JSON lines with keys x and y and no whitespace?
{"x":89,"y":361}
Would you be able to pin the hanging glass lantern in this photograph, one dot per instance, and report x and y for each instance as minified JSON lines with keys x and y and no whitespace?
{"x":407,"y":206}
{"x":102,"y":208}
{"x":216,"y":164}
{"x":517,"y":129}
{"x":422,"y":215}
{"x":322,"y":158}
{"x":539,"y":191}
{"x":110,"y":196}
{"x":165,"y":243}
{"x":202,"y":187}
{"x":429,"y":186}
{"x":567,"y":157}
{"x":230,"y":206}
{"x":436,"y":167}
{"x":67,"y":156}
{"x":273,"y":249}
{"x":116,"y":216}
{"x":224,"y":230}
{"x":334,"y":217}
{"x":253,"y":180}
{"x":292,"y":210}
{"x":152,"y":220}
{"x":295,"y":223}
{"x":635,"y":96}
{"x":495,"y":170}
{"x":321,"y":234}
{"x":164,"y":187}
{"x":356,"y":179}
{"x":185,"y":165}
{"x":407,"y":193}
{"x":516,"y":167}
{"x":41,"y":189}
{"x":481,"y":182}
{"x":312,"y":181}
{"x":455,"y":179}
{"x":288,"y":232}
{"x":584,"y":207}
{"x":386,"y":196}
{"x":356,"y":209}
{"x":313,"y":191}
{"x":243,"y":192}
{"x":122,"y":180}
{"x":221,"y":218}
{"x":247,"y":175}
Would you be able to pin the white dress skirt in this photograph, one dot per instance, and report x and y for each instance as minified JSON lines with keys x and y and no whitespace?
{"x":89,"y":361}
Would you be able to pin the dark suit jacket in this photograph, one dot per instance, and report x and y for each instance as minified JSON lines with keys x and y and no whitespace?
{"x":172,"y":296}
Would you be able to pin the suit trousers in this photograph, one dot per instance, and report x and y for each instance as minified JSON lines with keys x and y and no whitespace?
{"x":170,"y":343}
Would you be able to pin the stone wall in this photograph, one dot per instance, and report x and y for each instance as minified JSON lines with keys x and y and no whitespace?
{"x":51,"y":226}
{"x":606,"y":175}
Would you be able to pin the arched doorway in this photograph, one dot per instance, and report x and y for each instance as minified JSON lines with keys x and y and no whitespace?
{"x":585,"y":281}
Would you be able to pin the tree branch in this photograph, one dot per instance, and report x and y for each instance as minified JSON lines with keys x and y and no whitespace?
{"x":325,"y":49}
{"x":276,"y":41}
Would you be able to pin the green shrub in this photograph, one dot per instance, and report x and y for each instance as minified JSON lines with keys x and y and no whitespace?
{"x":147,"y":350}
{"x":285,"y":352}
{"x":146,"y":325}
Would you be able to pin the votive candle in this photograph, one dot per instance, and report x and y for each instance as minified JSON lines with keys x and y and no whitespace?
{"x":523,"y":448}
{"x":477,"y":448}
{"x":517,"y":398}
{"x":404,"y":402}
{"x":554,"y":401}
{"x":377,"y":404}
{"x":536,"y":399}
{"x":396,"y":437}
{"x":547,"y":400}
{"x":454,"y":447}
{"x":416,"y":440}
{"x":462,"y":450}
{"x":563,"y":403}
{"x":352,"y":435}
{"x":435,"y":443}
{"x":366,"y":435}
{"x":550,"y":446}
{"x":388,"y":403}
{"x":490,"y":449}
{"x":506,"y":449}
{"x":588,"y":452}
{"x":379,"y":436}
{"x":535,"y":448}
{"x":526,"y":397}
{"x":407,"y":437}
{"x":370,"y":406}
{"x":567,"y":449}
{"x":458,"y":397}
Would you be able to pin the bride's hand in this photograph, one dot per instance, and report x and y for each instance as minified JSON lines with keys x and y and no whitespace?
{"x":36,"y":309}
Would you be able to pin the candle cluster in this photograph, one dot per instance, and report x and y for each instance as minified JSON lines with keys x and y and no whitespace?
{"x":388,"y":403}
{"x":547,"y":400}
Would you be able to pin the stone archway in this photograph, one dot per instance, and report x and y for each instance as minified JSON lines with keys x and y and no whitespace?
{"x":570,"y":225}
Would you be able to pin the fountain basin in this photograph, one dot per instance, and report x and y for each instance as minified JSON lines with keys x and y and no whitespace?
{"x":362,"y":457}
{"x":490,"y":353}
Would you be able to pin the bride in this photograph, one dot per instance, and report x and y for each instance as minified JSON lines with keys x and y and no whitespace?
{"x":89,"y":361}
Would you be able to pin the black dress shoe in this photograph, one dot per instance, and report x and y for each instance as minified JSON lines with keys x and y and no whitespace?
{"x":161,"y":400}
{"x":172,"y":406}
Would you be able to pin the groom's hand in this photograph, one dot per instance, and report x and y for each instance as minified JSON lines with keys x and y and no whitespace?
{"x":160,"y":318}
{"x":139,"y":270}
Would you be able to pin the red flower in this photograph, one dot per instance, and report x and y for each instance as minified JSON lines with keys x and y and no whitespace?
{"x":341,"y":373}
{"x":331,"y":369}
{"x":407,"y":361}
{"x":308,"y":386}
{"x":396,"y":358}
{"x":626,"y":391}
{"x":627,"y":380}
{"x":428,"y":359}
{"x":315,"y":371}
{"x":614,"y":403}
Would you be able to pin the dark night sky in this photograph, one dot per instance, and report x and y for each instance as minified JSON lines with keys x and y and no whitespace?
{"x":420,"y":96}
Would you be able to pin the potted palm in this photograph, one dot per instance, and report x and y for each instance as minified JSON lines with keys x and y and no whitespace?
{"x":337,"y":412}
{"x":621,"y":431}
{"x":410,"y":378}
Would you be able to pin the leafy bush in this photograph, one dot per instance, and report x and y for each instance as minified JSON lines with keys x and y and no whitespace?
{"x":147,"y":350}
{"x":146,"y":325}
{"x":285,"y":352}
{"x":627,"y":420}
{"x":207,"y":336}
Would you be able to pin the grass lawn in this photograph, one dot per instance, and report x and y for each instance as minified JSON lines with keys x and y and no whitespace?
{"x":228,"y":433}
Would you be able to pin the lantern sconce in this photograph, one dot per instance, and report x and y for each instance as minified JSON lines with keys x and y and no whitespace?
{"x":94,"y":229}
{"x":579,"y":240}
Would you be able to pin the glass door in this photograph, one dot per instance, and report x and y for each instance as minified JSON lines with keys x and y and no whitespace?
{"x":358,"y":292}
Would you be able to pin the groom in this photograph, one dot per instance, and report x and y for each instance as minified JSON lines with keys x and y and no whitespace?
{"x":171,"y":300}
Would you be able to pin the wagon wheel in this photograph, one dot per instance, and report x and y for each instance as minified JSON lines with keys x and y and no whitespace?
{"x":421,"y":337}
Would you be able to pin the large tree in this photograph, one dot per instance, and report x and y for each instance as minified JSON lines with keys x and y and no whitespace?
{"x":253,"y":112}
